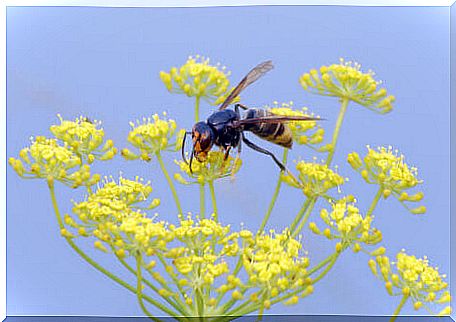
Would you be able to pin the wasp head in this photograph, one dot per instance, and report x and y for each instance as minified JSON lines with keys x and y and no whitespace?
{"x":203,"y":139}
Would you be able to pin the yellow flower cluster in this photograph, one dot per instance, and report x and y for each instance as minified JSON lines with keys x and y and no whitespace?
{"x":213,"y":168}
{"x":45,"y":158}
{"x":414,"y":278}
{"x":85,"y":138}
{"x":346,"y":80}
{"x":197,"y":78}
{"x":113,"y":215}
{"x":200,"y":257}
{"x":309,"y":132}
{"x":388,"y":169}
{"x":315,"y":179}
{"x":275,"y":265}
{"x":151,"y":136}
{"x":347,"y":224}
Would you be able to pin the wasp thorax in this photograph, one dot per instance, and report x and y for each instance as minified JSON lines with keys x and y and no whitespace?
{"x":203,"y":139}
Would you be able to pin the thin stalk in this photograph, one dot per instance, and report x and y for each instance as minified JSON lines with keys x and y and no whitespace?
{"x":275,"y":195}
{"x":321,"y":264}
{"x":299,"y":215}
{"x":95,"y":264}
{"x":305,"y":218}
{"x":170,"y":182}
{"x":375,"y":201}
{"x":340,"y":119}
{"x":139,"y":289}
{"x":327,"y":269}
{"x":197,"y":106}
{"x":202,"y":202}
{"x":399,"y":308}
{"x":178,"y":306}
{"x":214,"y":200}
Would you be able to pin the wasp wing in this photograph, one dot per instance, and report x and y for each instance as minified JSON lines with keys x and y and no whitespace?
{"x":250,"y":78}
{"x":274,"y":119}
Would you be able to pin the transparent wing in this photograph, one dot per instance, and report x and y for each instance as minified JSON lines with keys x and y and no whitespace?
{"x":274,"y":119}
{"x":250,"y":78}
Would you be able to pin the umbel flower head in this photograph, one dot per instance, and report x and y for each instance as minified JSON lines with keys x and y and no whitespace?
{"x":214,"y":167}
{"x":276,"y":265}
{"x":385,"y":167}
{"x":151,"y":136}
{"x":346,"y":81}
{"x":308,"y":133}
{"x":414,"y":278}
{"x":46,"y":159}
{"x":197,"y":78}
{"x":85,"y":138}
{"x":345,"y":223}
{"x":314,"y":179}
{"x":113,"y":214}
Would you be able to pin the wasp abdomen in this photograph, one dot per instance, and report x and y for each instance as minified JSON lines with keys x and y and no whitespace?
{"x":278,"y":133}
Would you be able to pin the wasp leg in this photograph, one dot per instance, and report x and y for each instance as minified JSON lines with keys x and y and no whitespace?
{"x":241,"y":106}
{"x":261,"y":150}
{"x":183,"y":147}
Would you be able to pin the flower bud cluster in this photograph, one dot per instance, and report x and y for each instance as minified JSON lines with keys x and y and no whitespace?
{"x":85,"y":138}
{"x":46,"y":159}
{"x":345,"y":223}
{"x":152,"y":136}
{"x":314,"y":179}
{"x":414,"y":278}
{"x":388,"y":169}
{"x":197,"y":78}
{"x":346,"y":81}
{"x":276,"y":265}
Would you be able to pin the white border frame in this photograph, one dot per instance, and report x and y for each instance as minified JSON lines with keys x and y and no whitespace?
{"x":136,"y":3}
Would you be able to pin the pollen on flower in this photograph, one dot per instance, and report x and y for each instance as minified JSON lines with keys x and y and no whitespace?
{"x":198,"y":78}
{"x":346,"y":80}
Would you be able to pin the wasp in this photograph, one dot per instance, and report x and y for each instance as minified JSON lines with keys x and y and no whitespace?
{"x":225,"y":128}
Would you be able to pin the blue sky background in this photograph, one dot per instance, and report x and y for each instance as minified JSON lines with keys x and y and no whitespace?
{"x":104,"y":63}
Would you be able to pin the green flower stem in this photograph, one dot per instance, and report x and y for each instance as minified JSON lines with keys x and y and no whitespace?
{"x":170,"y":182}
{"x":340,"y":119}
{"x":172,"y":275}
{"x":214,"y":200}
{"x":305,"y":217}
{"x":327,"y":269}
{"x":399,"y":308}
{"x":197,"y":106}
{"x":202,"y":202}
{"x":178,"y":306}
{"x":95,"y":264}
{"x":199,"y":303}
{"x":322,"y":264}
{"x":139,"y":289}
{"x":276,"y":194}
{"x":299,"y":215}
{"x":375,"y":201}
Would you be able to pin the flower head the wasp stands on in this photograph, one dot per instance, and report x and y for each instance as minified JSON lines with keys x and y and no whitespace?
{"x":193,"y":265}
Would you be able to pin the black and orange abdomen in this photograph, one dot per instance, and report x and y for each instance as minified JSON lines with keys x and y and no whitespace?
{"x":278,"y":133}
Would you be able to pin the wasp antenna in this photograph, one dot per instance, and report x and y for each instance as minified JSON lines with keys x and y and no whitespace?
{"x":183,"y":148}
